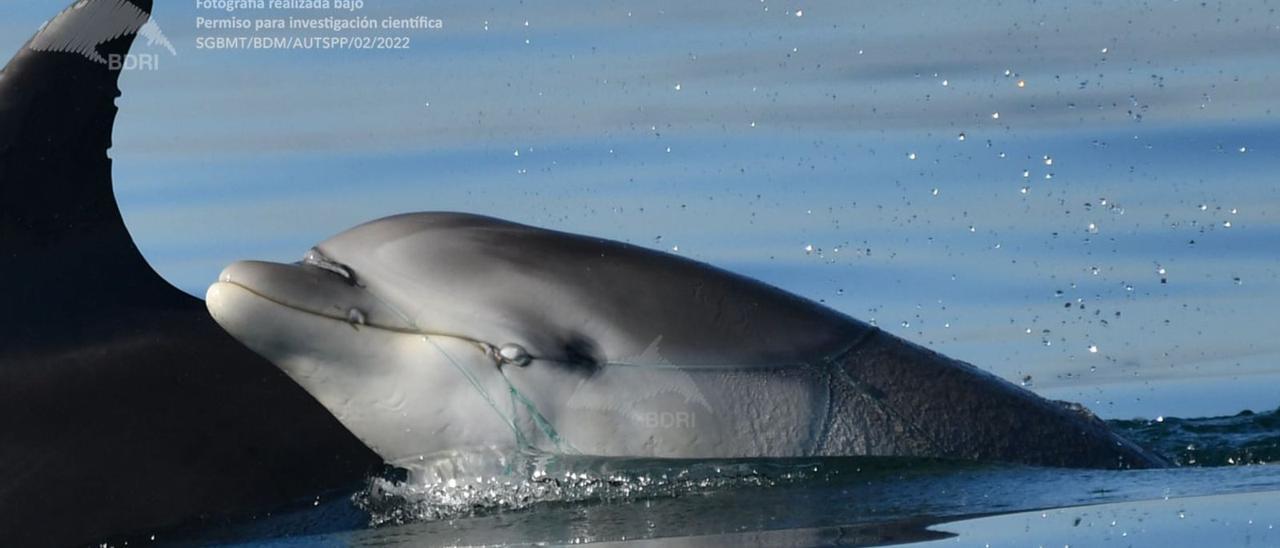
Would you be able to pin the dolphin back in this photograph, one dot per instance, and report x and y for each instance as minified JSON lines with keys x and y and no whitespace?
{"x":894,"y":397}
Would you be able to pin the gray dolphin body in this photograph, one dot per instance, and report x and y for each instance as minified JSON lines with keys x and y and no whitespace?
{"x":433,"y":333}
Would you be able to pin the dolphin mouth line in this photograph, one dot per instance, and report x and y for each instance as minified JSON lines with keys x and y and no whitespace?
{"x":539,"y":420}
{"x":357,"y":326}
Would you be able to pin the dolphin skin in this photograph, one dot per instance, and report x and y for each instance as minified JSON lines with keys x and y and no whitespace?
{"x":433,"y":333}
{"x":123,"y":408}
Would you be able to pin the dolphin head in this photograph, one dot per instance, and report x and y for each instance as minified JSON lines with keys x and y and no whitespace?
{"x":403,"y":392}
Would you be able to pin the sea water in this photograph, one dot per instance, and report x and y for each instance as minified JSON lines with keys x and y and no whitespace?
{"x":1224,"y":487}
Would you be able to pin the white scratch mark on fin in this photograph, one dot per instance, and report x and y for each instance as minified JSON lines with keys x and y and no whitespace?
{"x":91,"y":23}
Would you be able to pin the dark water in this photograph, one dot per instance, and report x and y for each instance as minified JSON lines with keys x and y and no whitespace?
{"x":1246,"y":438}
{"x":1224,"y":472}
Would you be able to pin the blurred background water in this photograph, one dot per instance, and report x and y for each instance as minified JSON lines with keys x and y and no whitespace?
{"x":1079,"y":197}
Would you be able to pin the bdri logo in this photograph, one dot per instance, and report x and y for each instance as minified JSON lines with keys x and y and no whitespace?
{"x":91,"y":23}
{"x":631,"y":388}
{"x":668,"y":419}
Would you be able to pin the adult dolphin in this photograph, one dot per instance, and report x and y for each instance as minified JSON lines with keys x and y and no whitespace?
{"x":435,"y":334}
{"x":123,"y":408}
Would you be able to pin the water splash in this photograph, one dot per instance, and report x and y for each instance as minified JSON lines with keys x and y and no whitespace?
{"x":446,"y":491}
{"x":478,"y":484}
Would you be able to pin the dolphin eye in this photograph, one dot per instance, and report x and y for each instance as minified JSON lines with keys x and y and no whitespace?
{"x":317,"y":259}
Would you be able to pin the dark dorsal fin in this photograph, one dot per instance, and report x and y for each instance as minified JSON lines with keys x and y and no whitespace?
{"x":61,"y":230}
{"x":123,"y":408}
{"x":57,"y":107}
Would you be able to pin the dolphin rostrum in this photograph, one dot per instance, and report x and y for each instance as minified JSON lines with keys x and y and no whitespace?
{"x":431,"y":333}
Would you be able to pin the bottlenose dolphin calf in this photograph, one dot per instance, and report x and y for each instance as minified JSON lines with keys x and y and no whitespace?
{"x":432,"y":333}
{"x":123,"y":408}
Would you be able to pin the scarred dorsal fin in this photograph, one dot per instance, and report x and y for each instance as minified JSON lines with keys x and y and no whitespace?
{"x":116,"y":389}
{"x":57,"y":107}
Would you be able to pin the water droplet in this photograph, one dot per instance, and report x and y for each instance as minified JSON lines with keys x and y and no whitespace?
{"x":906,"y":323}
{"x":677,"y":87}
{"x":1048,"y":160}
{"x":911,"y":155}
{"x":514,"y":354}
{"x":1026,"y":379}
{"x":355,"y":316}
{"x":1025,"y":189}
{"x":799,"y":13}
{"x":1226,"y":224}
{"x":1093,"y":228}
{"x":1022,"y":83}
{"x":1105,"y":50}
{"x":1026,"y":173}
{"x":808,"y":249}
{"x":934,"y":192}
{"x":945,"y":83}
{"x":1244,"y":150}
{"x":995,"y":115}
{"x":960,"y":137}
{"x":516,"y":153}
{"x":1093,"y":349}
